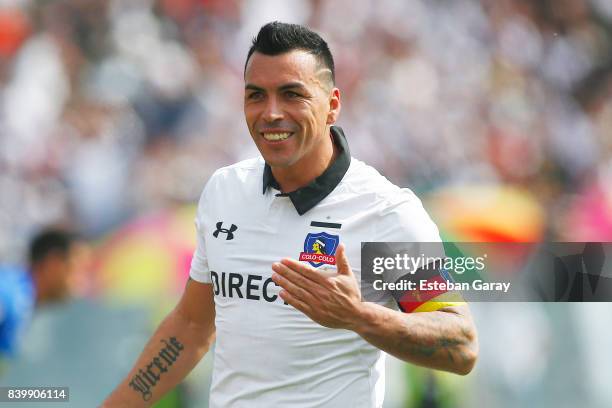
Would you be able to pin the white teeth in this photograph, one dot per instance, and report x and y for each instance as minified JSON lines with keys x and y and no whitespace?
{"x":276,"y":136}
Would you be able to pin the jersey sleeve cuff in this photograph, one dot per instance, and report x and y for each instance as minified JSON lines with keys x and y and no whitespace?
{"x":200,"y":276}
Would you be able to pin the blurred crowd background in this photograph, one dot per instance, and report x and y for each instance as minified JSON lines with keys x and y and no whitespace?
{"x":498,"y":113}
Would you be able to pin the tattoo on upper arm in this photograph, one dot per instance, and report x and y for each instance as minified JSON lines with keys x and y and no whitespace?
{"x":148,"y":376}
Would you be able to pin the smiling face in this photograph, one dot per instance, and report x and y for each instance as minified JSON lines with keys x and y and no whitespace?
{"x":289,"y":104}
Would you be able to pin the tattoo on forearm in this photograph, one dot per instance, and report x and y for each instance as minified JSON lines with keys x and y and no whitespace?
{"x":452,"y":345}
{"x":148,"y":376}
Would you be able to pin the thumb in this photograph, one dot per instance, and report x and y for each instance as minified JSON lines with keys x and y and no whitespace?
{"x":342,"y":262}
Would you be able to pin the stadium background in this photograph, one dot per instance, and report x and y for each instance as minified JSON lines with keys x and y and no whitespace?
{"x":497,"y":113}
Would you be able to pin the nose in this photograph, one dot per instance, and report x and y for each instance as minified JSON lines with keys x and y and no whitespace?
{"x":272,"y":111}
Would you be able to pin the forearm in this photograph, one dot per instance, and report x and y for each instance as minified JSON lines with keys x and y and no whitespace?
{"x":444,"y":340}
{"x":171,"y":353}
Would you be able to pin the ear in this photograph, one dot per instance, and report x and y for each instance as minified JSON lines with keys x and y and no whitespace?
{"x":334,"y":106}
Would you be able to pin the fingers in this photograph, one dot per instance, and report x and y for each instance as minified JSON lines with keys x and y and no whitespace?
{"x":293,"y":282}
{"x":302,"y":270}
{"x":295,"y":302}
{"x":342,"y":263}
{"x":293,"y":292}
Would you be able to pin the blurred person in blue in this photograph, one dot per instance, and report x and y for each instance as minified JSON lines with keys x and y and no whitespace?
{"x":22,"y":289}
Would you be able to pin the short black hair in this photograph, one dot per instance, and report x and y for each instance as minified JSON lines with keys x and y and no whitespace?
{"x":47,"y":241}
{"x":277,"y":38}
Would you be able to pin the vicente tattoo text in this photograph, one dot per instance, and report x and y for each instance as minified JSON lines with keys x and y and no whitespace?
{"x":150,"y":375}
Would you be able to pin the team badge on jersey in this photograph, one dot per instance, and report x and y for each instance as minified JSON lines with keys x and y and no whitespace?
{"x":320,"y":248}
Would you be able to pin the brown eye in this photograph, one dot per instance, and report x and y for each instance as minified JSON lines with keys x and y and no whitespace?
{"x":291,"y":94}
{"x":255,"y":96}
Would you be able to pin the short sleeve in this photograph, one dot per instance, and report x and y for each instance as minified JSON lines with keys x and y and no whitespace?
{"x":404,"y":220}
{"x":199,"y":263}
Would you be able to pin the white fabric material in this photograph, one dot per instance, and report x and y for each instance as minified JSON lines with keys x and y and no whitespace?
{"x":267,"y":353}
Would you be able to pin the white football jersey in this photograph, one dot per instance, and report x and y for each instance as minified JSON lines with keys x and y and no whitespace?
{"x":267,"y":353}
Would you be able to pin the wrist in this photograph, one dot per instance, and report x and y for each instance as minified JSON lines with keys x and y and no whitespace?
{"x":364,"y":318}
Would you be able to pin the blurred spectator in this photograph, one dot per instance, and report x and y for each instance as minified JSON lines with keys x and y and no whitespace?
{"x":111,"y":109}
{"x":47,"y":279}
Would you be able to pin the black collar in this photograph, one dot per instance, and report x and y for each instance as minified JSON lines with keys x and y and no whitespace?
{"x":308,"y":196}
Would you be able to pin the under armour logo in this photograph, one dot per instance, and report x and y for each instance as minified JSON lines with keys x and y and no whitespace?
{"x":229,"y":232}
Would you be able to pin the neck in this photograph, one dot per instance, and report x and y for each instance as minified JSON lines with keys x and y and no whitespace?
{"x":308,"y":168}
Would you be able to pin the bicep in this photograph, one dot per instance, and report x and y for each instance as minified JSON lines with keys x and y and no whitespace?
{"x":197,"y":304}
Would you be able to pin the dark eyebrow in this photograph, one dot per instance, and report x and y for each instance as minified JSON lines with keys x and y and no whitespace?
{"x":253,"y":87}
{"x":290,"y":85}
